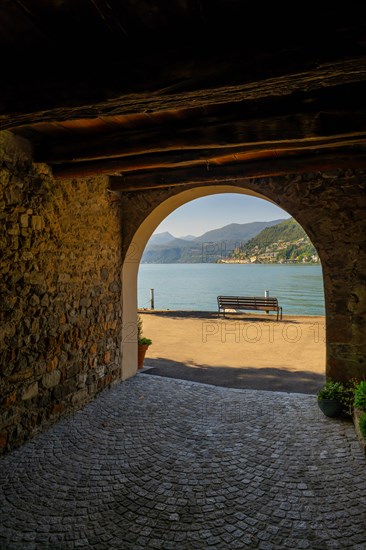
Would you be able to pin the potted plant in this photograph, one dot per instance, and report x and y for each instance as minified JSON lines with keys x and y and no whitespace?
{"x":329,"y":398}
{"x":362,"y":425}
{"x":359,"y":416}
{"x":348,"y":397}
{"x":142,"y":344}
{"x":360,"y":396}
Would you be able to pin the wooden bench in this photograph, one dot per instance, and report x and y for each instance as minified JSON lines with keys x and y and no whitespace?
{"x":248,"y":302}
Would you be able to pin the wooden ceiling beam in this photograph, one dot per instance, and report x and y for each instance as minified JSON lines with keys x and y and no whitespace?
{"x":180,"y":95}
{"x":182,"y":136}
{"x":236,"y":173}
{"x":177,"y":159}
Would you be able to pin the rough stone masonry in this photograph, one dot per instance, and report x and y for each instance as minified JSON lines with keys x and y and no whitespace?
{"x":60,"y":285}
{"x":330,"y":206}
{"x":62,"y":246}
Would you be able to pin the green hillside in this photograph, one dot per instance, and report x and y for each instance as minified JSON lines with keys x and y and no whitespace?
{"x":288,"y":230}
{"x":207,"y":248}
{"x":285,"y":242}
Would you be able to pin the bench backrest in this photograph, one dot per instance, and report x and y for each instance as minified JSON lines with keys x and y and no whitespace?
{"x":249,"y":301}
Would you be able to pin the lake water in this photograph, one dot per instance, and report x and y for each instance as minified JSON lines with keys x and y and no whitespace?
{"x":298,"y":287}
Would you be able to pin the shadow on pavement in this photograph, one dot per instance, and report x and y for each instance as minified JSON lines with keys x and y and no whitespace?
{"x":243,"y":378}
{"x":229,"y":316}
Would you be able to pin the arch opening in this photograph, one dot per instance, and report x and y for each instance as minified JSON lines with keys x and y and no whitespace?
{"x":136,"y":249}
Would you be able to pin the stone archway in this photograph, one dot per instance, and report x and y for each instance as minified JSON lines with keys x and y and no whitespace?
{"x":163,"y":208}
{"x":322,"y":203}
{"x":134,"y":253}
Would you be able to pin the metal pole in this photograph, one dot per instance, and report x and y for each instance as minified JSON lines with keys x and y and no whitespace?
{"x":266,"y":294}
{"x":151,"y":298}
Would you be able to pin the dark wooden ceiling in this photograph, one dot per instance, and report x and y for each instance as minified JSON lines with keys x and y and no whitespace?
{"x":179,"y":91}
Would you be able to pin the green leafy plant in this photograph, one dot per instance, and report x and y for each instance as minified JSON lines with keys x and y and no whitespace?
{"x":331,"y":390}
{"x":140,"y":338}
{"x":360,"y":396}
{"x":139,"y":326}
{"x":362,"y":424}
{"x":145,"y":341}
{"x":348,"y":395}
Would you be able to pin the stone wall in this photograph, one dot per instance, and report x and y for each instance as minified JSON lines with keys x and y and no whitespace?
{"x":60,"y":287}
{"x":331,"y":208}
{"x":62,"y":244}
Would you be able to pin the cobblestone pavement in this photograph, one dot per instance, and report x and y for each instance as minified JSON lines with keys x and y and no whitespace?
{"x":162,"y":463}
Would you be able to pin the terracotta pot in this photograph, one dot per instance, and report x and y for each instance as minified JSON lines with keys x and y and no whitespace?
{"x":141,"y":352}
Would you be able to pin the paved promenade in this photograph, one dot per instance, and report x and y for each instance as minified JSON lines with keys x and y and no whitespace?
{"x":249,"y":351}
{"x":161,"y":463}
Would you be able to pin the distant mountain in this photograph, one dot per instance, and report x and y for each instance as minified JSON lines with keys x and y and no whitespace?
{"x":188,"y":238}
{"x":165,"y":237}
{"x":281,"y":243}
{"x":173,"y":251}
{"x":161,"y":238}
{"x":285,"y":231}
{"x":235,"y":232}
{"x":207,"y":248}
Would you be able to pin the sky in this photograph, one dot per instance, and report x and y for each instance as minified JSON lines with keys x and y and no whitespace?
{"x":214,"y":211}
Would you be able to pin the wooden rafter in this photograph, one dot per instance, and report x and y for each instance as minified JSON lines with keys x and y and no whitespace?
{"x":236,"y":172}
{"x":213,"y":135}
{"x":196,"y":157}
{"x":326,"y":75}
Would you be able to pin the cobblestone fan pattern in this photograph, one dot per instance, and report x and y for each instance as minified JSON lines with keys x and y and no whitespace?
{"x":161,"y":463}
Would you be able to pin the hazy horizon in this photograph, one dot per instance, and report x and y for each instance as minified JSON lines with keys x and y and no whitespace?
{"x":215,"y":211}
{"x":211,"y":229}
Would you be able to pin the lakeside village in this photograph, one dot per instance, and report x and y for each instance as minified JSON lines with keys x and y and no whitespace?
{"x":300,"y":251}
